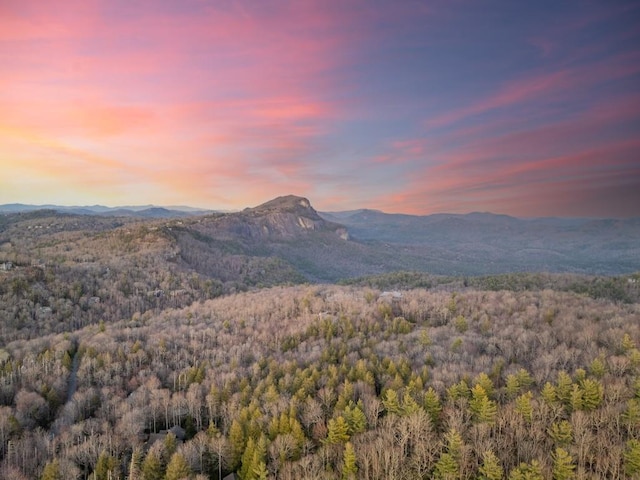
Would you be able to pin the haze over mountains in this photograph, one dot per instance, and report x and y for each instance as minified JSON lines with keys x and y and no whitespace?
{"x":144,"y":211}
{"x":330,"y":246}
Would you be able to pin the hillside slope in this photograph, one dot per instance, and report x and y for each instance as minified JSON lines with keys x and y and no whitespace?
{"x":418,"y":383}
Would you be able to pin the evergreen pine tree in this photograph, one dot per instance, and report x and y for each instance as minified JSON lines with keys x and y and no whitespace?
{"x":105,"y":467}
{"x":409,"y":405}
{"x":355,"y":418}
{"x":237,"y":444}
{"x":527,"y":471}
{"x":512,"y":386}
{"x":525,"y":379}
{"x":454,"y":443}
{"x":483,"y":409}
{"x":485,"y":382}
{"x":447,"y":467}
{"x":561,"y":432}
{"x":490,"y":468}
{"x":337,"y":431}
{"x":260,"y":472}
{"x":631,"y":415}
{"x":592,"y":394}
{"x":576,"y":398}
{"x":390,"y":402}
{"x":548,"y":394}
{"x":524,"y":407}
{"x":178,"y":467}
{"x":564,"y":386}
{"x":432,"y":405}
{"x":135,"y":471}
{"x":170,"y":444}
{"x":563,"y":466}
{"x":152,"y":468}
{"x":632,"y":458}
{"x":51,"y":471}
{"x":349,"y":466}
{"x":246,"y":467}
{"x":597,"y":368}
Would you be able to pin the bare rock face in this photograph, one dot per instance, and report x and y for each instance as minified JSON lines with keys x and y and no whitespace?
{"x":287,"y":217}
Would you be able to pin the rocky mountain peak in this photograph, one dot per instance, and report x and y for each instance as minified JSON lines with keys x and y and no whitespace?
{"x":287,"y":204}
{"x":283,"y":217}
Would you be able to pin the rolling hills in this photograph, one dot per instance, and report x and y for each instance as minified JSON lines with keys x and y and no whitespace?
{"x":209,"y":344}
{"x":62,"y":270}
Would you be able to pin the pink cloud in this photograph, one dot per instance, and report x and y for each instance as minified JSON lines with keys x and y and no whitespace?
{"x":212,"y":96}
{"x":545,"y":86}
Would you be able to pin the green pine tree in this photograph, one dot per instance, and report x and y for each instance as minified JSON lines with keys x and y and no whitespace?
{"x":52,"y":471}
{"x":632,"y":458}
{"x":135,"y":471}
{"x":447,"y":467}
{"x":512,"y":386}
{"x":246,"y":468}
{"x":485,"y":382}
{"x":631,"y":415}
{"x":337,"y":431}
{"x":548,"y":394}
{"x":237,"y":443}
{"x":527,"y":471}
{"x":105,"y":467}
{"x":260,"y":472}
{"x":409,"y":405}
{"x":561,"y":432}
{"x":525,"y":379}
{"x":349,"y":466}
{"x":564,"y":386}
{"x":627,"y":343}
{"x":178,"y":467}
{"x":563,"y":466}
{"x":483,"y":409}
{"x":170,"y":445}
{"x":524,"y":406}
{"x":152,"y":468}
{"x":355,"y":418}
{"x":432,"y":405}
{"x":576,"y":399}
{"x":598,"y":368}
{"x":390,"y":402}
{"x":490,"y":468}
{"x":592,"y":394}
{"x":454,"y":443}
{"x":459,"y":390}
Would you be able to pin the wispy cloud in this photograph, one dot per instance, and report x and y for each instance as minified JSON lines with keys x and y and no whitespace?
{"x":226,"y":104}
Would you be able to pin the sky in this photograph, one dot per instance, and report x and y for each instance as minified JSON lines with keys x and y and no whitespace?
{"x":522,"y":108}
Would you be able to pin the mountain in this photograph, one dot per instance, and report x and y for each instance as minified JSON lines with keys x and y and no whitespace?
{"x":144,"y":211}
{"x":287,"y":229}
{"x":61,"y":270}
{"x":286,"y":239}
{"x":111,"y":333}
{"x":286,"y":217}
{"x":481,"y":243}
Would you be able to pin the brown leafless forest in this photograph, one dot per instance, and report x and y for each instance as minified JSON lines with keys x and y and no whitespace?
{"x":333,"y":382}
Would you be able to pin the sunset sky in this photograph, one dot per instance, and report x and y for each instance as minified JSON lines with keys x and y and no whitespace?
{"x":523,"y":108}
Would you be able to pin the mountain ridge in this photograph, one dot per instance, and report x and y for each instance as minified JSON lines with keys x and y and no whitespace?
{"x":287,"y":238}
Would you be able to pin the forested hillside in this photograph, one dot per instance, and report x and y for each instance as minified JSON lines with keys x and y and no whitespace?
{"x":333,"y":382}
{"x":197,"y":347}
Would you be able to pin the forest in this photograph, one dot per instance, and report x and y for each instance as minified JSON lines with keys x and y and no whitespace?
{"x":448,"y":381}
{"x":200,"y":348}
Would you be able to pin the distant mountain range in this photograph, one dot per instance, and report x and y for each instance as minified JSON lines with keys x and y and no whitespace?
{"x":142,"y":211}
{"x":479,"y":243}
{"x":288,"y":238}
